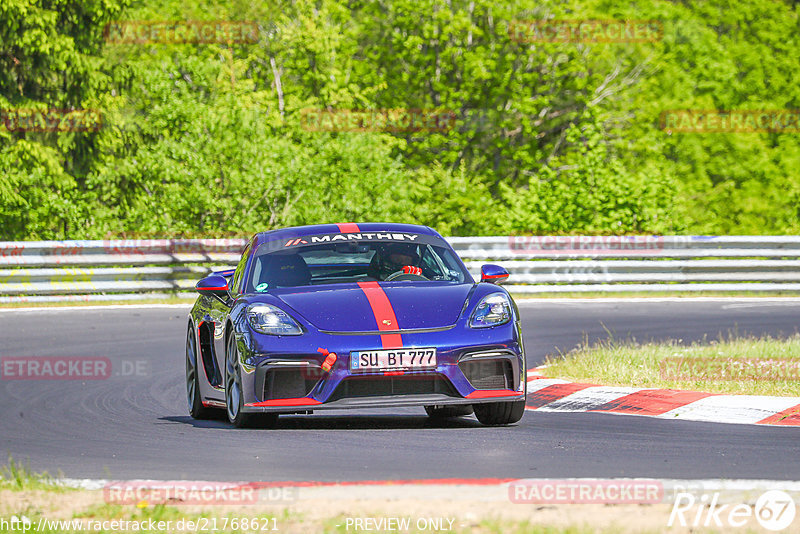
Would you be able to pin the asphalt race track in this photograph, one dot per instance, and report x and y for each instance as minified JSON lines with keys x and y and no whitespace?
{"x":134,"y":424}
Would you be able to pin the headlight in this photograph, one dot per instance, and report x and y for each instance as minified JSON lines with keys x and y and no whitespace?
{"x":492,"y":310}
{"x":269,"y":319}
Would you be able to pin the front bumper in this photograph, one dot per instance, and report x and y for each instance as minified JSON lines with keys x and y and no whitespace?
{"x":286,"y":375}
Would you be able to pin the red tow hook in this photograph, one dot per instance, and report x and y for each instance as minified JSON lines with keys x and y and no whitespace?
{"x":330,"y":359}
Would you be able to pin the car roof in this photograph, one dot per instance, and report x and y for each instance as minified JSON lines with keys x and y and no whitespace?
{"x":342,"y":228}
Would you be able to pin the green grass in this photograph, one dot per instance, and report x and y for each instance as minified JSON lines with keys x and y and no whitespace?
{"x":736,"y":365}
{"x":17,"y":476}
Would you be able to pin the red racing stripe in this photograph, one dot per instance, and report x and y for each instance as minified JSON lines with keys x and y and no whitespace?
{"x":348,"y":228}
{"x":384,"y":314}
{"x":790,"y":417}
{"x":651,"y":401}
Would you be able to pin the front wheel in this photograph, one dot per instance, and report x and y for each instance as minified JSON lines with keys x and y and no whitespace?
{"x":233,"y":387}
{"x":499,"y":413}
{"x":234,"y":400}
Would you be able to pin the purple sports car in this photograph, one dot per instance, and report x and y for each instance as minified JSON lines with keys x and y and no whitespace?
{"x":354,"y":316}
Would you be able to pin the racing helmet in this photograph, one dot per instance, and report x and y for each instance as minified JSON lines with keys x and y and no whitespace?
{"x":392,"y":257}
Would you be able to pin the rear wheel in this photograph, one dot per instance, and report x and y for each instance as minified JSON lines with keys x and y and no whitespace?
{"x":196,"y":408}
{"x":444,"y":412}
{"x":500,"y":413}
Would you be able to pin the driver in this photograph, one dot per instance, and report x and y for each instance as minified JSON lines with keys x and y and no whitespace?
{"x":392,"y":258}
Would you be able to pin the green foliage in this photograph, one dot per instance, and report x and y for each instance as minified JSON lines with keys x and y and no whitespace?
{"x":38,"y":205}
{"x":588,"y":190}
{"x":548,"y":137}
{"x":49,"y":59}
{"x":450,"y":201}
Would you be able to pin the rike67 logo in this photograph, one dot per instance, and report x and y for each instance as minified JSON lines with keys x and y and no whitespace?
{"x":775,"y":510}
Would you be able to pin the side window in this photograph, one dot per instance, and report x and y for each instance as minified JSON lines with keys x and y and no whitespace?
{"x":258,"y":264}
{"x":238,"y":275}
{"x":428,"y":261}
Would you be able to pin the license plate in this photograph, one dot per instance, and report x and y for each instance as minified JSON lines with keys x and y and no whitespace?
{"x":383,"y":360}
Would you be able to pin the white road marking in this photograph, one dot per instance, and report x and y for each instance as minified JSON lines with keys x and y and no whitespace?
{"x":743,"y":409}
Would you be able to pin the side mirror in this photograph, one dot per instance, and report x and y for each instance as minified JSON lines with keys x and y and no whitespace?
{"x":494,"y":274}
{"x":215,"y":285}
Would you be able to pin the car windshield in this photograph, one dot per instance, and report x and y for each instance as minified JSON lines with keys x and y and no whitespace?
{"x":354,"y":261}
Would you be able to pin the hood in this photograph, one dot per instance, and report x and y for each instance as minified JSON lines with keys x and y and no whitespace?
{"x":346,"y":308}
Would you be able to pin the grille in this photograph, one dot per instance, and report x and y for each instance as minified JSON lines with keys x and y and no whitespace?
{"x":488,"y":374}
{"x":379,"y":386}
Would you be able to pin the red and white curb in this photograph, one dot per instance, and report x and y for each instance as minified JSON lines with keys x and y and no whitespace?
{"x":554,"y":395}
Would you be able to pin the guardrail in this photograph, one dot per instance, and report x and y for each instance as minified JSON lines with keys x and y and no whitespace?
{"x":128,"y":269}
{"x":110,"y":269}
{"x":553,"y":264}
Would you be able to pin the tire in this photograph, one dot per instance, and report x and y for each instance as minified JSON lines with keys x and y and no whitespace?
{"x":234,"y":401}
{"x":499,"y":413}
{"x":195,"y":402}
{"x":444,"y":412}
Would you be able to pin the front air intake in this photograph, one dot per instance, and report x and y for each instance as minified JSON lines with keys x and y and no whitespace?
{"x":488,"y":373}
{"x":288,"y":383}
